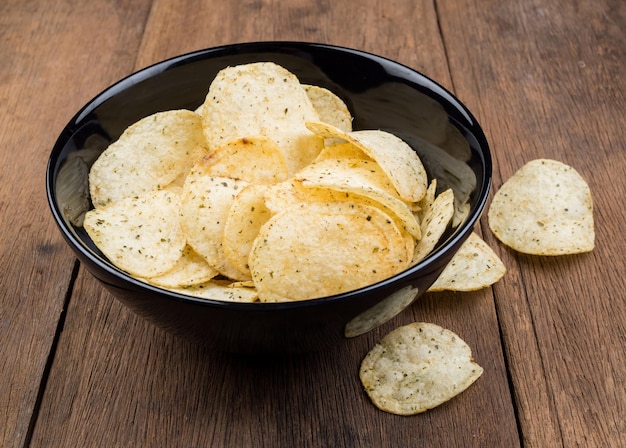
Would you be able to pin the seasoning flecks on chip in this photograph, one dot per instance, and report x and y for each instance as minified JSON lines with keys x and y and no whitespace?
{"x":417,"y":367}
{"x":545,"y":208}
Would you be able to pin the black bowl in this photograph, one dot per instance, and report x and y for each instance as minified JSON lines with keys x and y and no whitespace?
{"x":381,"y":94}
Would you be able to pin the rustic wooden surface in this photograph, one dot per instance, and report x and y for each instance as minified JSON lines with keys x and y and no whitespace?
{"x":544,"y":78}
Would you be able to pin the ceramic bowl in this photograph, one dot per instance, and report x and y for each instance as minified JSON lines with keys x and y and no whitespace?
{"x":381,"y":94}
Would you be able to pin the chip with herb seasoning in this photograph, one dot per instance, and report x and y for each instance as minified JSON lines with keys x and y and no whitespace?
{"x":417,"y":367}
{"x":320,"y":249}
{"x":150,"y":155}
{"x":545,"y":208}
{"x":141,"y":234}
{"x":261,"y":99}
{"x":474,"y":266}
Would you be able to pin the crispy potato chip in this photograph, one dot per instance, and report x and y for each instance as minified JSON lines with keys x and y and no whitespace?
{"x":396,"y":158}
{"x":417,"y":367}
{"x":363,"y":178}
{"x":436,"y":220}
{"x":206,"y":201}
{"x":261,"y":99}
{"x":330,"y":108}
{"x":257,"y":160}
{"x":281,"y":196}
{"x":148,"y":156}
{"x":545,"y":208}
{"x":343,"y":150}
{"x":474,"y":266}
{"x":246,"y":216}
{"x":220,"y":290}
{"x":319,"y":249}
{"x":190,"y":269}
{"x":141,"y":235}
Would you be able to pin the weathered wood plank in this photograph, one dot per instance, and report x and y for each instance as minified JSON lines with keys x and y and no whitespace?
{"x":49,"y":52}
{"x":546,"y":78}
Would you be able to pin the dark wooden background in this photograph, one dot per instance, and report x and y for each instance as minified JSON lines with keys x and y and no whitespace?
{"x":545,"y":79}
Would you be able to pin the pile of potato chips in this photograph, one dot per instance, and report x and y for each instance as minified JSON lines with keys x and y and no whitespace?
{"x":264,"y":193}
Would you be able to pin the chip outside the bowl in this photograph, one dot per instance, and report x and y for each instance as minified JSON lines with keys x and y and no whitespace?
{"x":417,"y":367}
{"x":545,"y":208}
{"x":473,"y":267}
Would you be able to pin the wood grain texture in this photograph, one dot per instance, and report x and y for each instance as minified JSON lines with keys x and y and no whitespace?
{"x":43,"y":53}
{"x":546,"y":78}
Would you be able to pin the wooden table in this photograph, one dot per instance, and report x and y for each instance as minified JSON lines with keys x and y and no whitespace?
{"x":545,"y":79}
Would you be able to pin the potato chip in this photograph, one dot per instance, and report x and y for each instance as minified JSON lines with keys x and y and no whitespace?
{"x":246,"y":216}
{"x":343,"y":150}
{"x":436,"y":220}
{"x":257,"y":160}
{"x":206,"y":201}
{"x":474,"y":266}
{"x":148,"y":156}
{"x":545,"y":208}
{"x":141,"y":235}
{"x":330,"y":108}
{"x":363,"y":178}
{"x":319,"y":249}
{"x":396,"y":158}
{"x":220,"y":290}
{"x":417,"y":367}
{"x":261,"y":99}
{"x":280,"y":196}
{"x":190,"y":269}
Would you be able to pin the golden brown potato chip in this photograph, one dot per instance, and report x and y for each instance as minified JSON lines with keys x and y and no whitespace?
{"x":396,"y":158}
{"x":148,"y":156}
{"x":141,"y":235}
{"x":246,"y":216}
{"x":257,"y":160}
{"x":363,"y":178}
{"x":436,"y":220}
{"x":190,"y":269}
{"x":319,"y":249}
{"x":417,"y":367}
{"x":545,"y":208}
{"x":261,"y":99}
{"x":330,"y":108}
{"x":343,"y":150}
{"x":206,"y":201}
{"x":474,"y":266}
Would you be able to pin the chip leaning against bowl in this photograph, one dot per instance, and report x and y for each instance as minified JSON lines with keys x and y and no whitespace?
{"x":265,"y":185}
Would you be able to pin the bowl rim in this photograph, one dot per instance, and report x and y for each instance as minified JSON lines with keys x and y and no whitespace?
{"x":153,"y":69}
